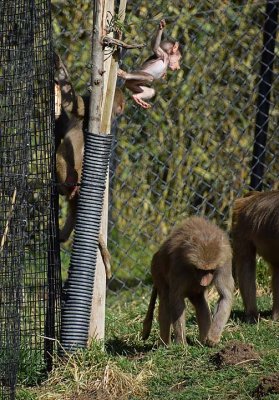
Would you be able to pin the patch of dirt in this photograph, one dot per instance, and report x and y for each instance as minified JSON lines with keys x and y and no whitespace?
{"x":235,"y":353}
{"x":268,"y":385}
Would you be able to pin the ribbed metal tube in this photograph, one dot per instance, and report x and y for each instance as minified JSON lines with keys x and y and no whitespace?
{"x":78,"y":292}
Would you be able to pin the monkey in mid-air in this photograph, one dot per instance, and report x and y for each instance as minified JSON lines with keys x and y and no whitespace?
{"x":70,"y":124}
{"x":166,"y":54}
{"x":255,"y":230}
{"x":195,"y":255}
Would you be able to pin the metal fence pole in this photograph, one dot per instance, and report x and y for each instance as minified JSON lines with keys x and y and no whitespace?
{"x":263,"y":102}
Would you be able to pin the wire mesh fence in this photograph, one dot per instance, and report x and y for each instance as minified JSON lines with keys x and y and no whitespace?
{"x":29,"y":266}
{"x":191,"y":153}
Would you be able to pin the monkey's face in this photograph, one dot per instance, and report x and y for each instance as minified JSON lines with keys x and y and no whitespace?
{"x":174,"y":61}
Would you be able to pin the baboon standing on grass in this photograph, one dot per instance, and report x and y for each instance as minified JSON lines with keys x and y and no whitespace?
{"x":196,"y":254}
{"x":255,"y":229}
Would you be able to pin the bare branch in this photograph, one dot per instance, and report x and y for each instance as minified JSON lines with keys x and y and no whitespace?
{"x":109,"y":41}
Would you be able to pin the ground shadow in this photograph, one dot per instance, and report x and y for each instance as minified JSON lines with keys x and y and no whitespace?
{"x":239,"y":316}
{"x":117,"y":346}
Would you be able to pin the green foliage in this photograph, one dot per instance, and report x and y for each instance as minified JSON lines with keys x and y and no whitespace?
{"x":191,"y":152}
{"x":72,"y":26}
{"x":25,"y":394}
{"x":31,"y":371}
{"x":263,"y":274}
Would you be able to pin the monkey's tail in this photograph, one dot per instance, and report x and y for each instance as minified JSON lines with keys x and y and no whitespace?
{"x":147,"y":323}
{"x":105,"y":256}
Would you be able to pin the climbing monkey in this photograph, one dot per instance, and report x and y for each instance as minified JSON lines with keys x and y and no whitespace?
{"x":166,"y":55}
{"x":70,"y":127}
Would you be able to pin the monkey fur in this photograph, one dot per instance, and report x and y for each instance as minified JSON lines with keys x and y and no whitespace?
{"x":70,"y":125}
{"x":166,"y":55}
{"x":196,"y":254}
{"x":255,"y":230}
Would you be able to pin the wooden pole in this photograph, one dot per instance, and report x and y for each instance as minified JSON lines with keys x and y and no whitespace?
{"x":97,"y":74}
{"x":94,"y":126}
{"x":97,"y":322}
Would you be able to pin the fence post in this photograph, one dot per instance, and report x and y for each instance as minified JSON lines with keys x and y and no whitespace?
{"x":263,"y":101}
{"x":97,"y":321}
{"x":79,"y":286}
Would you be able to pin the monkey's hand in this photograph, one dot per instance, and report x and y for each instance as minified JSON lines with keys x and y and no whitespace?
{"x":211,"y":343}
{"x":60,"y":68}
{"x":162,"y":24}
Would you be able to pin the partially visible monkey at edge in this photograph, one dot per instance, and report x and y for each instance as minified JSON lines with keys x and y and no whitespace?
{"x":166,"y":54}
{"x":255,"y":230}
{"x":69,"y":126}
{"x":196,"y":254}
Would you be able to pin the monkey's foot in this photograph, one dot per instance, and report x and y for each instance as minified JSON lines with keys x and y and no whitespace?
{"x":139,"y":101}
{"x":122,"y":74}
{"x":252,"y":318}
{"x":74,"y":192}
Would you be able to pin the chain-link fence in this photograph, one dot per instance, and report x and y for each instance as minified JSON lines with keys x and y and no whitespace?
{"x":191,"y":153}
{"x":29,"y":260}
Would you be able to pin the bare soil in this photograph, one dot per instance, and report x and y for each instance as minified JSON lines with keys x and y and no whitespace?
{"x":268,"y":385}
{"x":235,"y":353}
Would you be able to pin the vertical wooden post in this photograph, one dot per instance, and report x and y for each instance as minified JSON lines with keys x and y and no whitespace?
{"x":97,"y":322}
{"x":97,"y":73}
{"x":94,"y":126}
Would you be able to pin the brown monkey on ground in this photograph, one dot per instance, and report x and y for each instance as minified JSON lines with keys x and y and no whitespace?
{"x":196,"y":254}
{"x":255,"y":230}
{"x":69,"y":127}
{"x":166,"y":54}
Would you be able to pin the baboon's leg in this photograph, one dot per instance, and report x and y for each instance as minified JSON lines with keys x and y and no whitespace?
{"x":275,"y":291}
{"x":245,"y":264}
{"x":70,"y":220}
{"x":177,"y":309}
{"x":224,"y":284}
{"x":164,"y":315}
{"x":203,"y":315}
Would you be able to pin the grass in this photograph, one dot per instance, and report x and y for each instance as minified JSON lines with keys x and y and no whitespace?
{"x":131,"y":369}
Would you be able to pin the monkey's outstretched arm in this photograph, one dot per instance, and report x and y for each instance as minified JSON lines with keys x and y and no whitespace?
{"x":158,"y":51}
{"x":71,"y":102}
{"x":225,"y":285}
